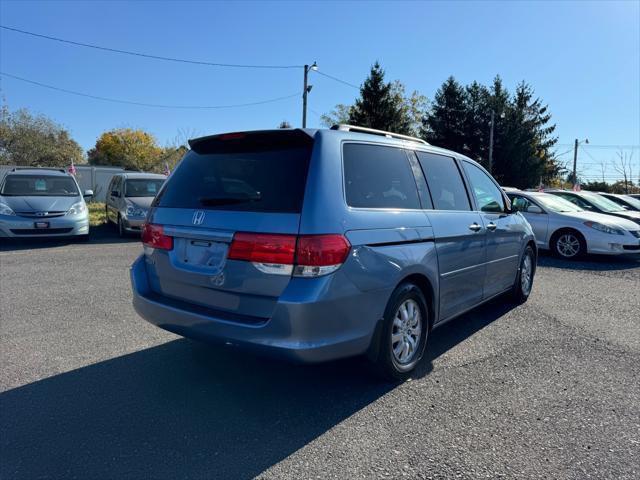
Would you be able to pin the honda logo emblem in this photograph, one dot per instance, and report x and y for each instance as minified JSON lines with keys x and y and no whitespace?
{"x":41,"y":214}
{"x":198,"y":217}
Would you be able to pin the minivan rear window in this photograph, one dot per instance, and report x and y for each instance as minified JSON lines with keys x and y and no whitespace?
{"x":257,"y":180}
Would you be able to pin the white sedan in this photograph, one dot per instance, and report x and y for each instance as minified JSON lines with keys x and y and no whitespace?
{"x":569,"y":231}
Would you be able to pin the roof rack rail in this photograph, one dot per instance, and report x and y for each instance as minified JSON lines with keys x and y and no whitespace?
{"x":15,"y":169}
{"x":373,"y":131}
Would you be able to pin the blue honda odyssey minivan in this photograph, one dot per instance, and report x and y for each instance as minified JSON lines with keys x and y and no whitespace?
{"x":323,"y":244}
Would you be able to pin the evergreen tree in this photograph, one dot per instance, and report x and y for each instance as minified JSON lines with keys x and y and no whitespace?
{"x":444,"y":125}
{"x":523,"y":155}
{"x":380,"y":106}
{"x":476,"y":122}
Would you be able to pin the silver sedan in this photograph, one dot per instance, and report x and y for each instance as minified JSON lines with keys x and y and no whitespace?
{"x":569,"y":231}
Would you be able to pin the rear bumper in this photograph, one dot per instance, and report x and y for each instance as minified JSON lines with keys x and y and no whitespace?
{"x":14,"y":226}
{"x":305,"y":327}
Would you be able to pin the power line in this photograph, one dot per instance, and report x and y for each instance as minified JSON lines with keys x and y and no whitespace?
{"x":564,"y":153}
{"x":145,"y":55}
{"x":337,"y":79}
{"x":590,"y":145}
{"x":128,"y":102}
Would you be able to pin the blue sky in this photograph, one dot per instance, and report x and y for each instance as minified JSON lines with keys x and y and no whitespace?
{"x":582,"y":58}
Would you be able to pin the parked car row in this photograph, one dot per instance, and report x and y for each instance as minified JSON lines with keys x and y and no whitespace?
{"x":571,"y":224}
{"x":41,"y":202}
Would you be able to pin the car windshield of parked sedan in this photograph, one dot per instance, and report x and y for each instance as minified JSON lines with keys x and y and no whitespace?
{"x":142,"y":187}
{"x":602,"y":203}
{"x":556,"y":204}
{"x":39,"y":186}
{"x":634,"y":202}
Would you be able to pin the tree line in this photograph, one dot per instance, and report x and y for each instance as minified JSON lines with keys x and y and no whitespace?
{"x":37,"y":141}
{"x":459,"y":119}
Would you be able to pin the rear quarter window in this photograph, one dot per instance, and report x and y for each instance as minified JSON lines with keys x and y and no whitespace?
{"x":376,"y":176}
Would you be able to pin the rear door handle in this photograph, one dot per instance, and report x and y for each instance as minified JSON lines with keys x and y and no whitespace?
{"x":475,"y":227}
{"x":491,"y":226}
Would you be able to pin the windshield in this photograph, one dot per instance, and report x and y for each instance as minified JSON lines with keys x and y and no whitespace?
{"x":634,"y":202}
{"x":602,"y":203}
{"x":39,"y":186}
{"x":142,"y":187}
{"x":556,"y":204}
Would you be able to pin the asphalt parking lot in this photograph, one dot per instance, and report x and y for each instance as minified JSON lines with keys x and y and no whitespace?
{"x":550,"y":389}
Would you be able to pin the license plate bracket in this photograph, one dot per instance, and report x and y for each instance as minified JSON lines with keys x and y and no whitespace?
{"x":40,"y":225}
{"x":202,"y":254}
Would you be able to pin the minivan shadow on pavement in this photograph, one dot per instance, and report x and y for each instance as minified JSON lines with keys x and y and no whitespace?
{"x":187,"y":410}
{"x":97,"y":235}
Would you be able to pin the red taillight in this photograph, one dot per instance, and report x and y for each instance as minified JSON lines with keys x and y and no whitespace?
{"x":313,"y":254}
{"x":322,"y":250}
{"x":263,"y":248}
{"x":153,"y":236}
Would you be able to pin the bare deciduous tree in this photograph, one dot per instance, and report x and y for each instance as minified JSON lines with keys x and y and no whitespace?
{"x":622,"y":164}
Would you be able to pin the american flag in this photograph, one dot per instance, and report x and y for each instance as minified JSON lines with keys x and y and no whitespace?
{"x":576,"y":187}
{"x":72,"y":169}
{"x":166,"y":171}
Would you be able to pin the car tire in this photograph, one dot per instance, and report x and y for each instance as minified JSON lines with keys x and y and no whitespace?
{"x":524,"y":278}
{"x":121,"y":231}
{"x":400,"y":346}
{"x":106,"y":215}
{"x":568,"y":244}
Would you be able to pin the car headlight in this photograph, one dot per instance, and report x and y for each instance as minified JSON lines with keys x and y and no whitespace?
{"x":134,"y":211}
{"x":6,"y":210}
{"x":77,"y":208}
{"x":604,"y":228}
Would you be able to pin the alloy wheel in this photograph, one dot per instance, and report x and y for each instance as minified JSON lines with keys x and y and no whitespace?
{"x":526,"y":274}
{"x":406,"y":332}
{"x":568,"y":245}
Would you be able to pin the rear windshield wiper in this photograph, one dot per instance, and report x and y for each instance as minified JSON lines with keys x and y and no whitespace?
{"x":228,"y":200}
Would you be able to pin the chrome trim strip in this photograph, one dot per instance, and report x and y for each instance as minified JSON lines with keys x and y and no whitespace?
{"x":199,"y":233}
{"x":453,"y":272}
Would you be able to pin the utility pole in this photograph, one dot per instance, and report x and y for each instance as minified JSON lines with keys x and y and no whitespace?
{"x":575,"y":162}
{"x":575,"y":159}
{"x":491,"y":142}
{"x":304,"y":97}
{"x":305,"y":91}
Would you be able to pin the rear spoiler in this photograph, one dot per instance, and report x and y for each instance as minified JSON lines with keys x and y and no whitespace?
{"x":252,"y":141}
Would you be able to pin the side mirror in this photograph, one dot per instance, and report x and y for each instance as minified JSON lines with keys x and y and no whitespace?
{"x":88,"y":193}
{"x":534,"y":209}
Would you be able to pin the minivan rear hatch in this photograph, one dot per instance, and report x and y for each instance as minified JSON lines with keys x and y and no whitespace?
{"x":232,"y":185}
